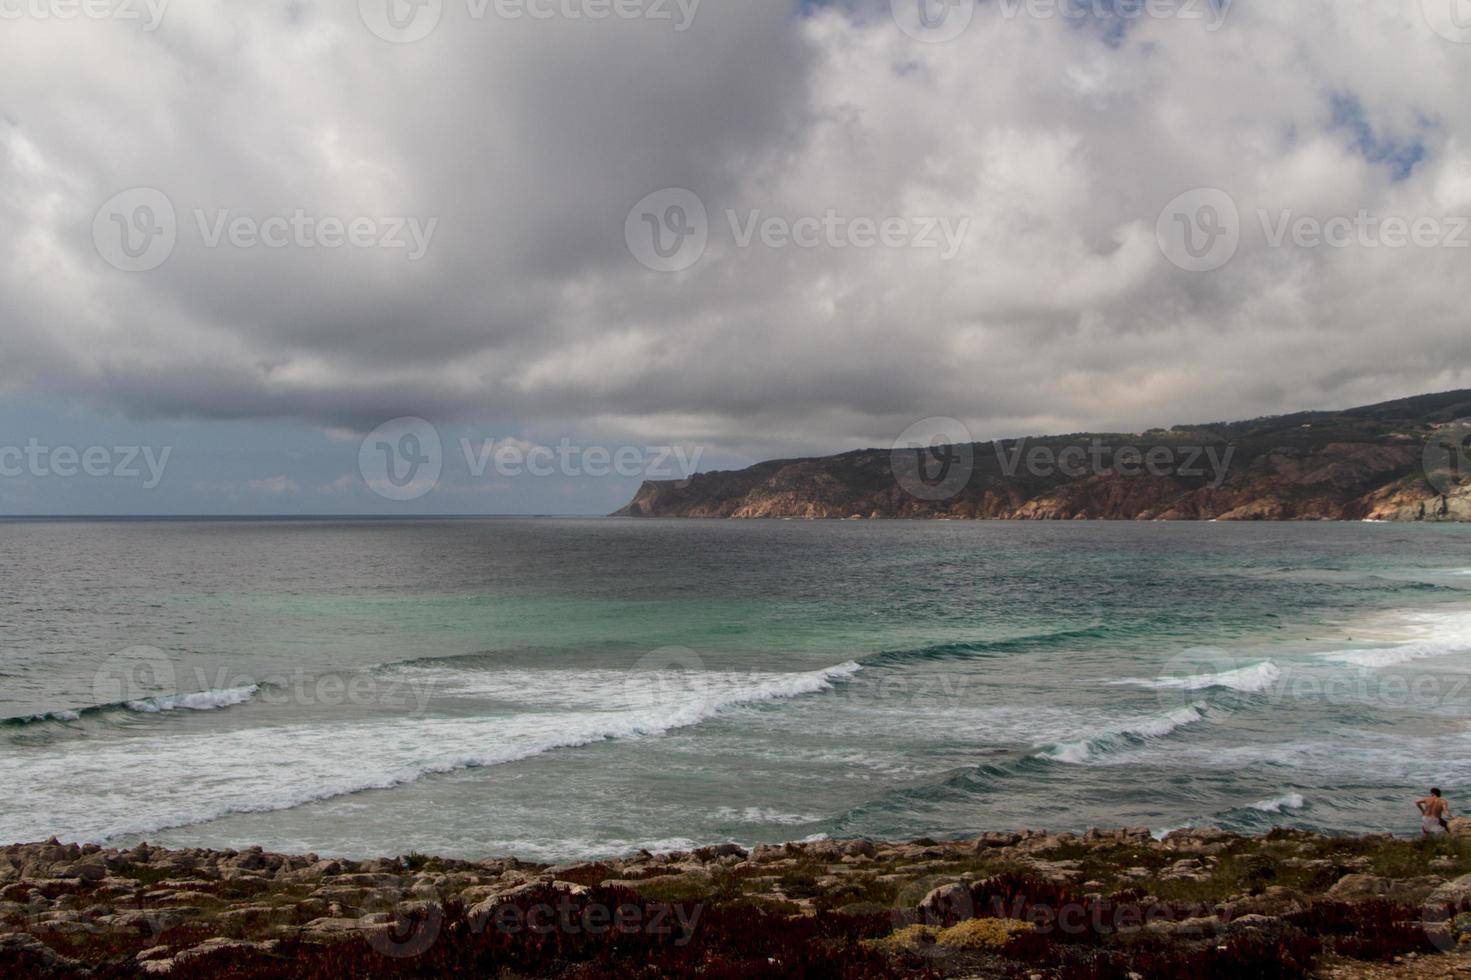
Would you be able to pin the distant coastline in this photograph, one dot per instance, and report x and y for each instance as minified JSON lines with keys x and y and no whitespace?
{"x":1404,"y":460}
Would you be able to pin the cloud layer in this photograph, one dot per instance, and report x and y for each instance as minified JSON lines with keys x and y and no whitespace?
{"x":1057,"y":134}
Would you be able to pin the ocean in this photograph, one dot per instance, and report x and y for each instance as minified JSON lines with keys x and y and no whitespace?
{"x":558,"y":689}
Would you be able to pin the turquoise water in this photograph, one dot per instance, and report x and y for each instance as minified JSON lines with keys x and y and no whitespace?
{"x":563,"y":688}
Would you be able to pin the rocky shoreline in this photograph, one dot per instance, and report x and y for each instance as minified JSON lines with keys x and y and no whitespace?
{"x":1108,"y":903}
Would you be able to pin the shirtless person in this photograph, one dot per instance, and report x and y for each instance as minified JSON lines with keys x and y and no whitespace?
{"x":1434,"y":813}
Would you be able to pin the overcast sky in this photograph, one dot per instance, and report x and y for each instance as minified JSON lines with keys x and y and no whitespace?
{"x":251,"y":233}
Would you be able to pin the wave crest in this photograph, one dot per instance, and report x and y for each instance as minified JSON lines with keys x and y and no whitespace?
{"x":196,"y":701}
{"x":1081,"y":750}
{"x":1287,"y":801}
{"x":1250,"y":679}
{"x":139,"y":795}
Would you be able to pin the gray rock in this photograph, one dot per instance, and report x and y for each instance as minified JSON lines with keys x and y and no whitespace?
{"x":947,"y":905}
{"x":1358,"y":888}
{"x":1191,"y":928}
{"x":1245,"y":922}
{"x":330,"y":928}
{"x":716,"y":851}
{"x":23,"y":945}
{"x":146,"y":922}
{"x":994,"y":839}
{"x":1414,"y":891}
{"x":1451,"y":893}
{"x":234,"y":946}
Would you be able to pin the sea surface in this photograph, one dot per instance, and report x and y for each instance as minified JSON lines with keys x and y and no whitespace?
{"x":558,"y":689}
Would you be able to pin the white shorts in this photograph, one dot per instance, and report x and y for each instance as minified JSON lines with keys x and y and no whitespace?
{"x":1431,"y":825}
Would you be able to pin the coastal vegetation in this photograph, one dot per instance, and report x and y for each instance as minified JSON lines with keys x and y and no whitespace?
{"x":1198,"y":903}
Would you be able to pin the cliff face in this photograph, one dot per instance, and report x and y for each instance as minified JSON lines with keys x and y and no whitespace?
{"x":1383,"y":462}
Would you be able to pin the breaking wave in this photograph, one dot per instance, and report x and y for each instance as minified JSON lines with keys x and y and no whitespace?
{"x":1081,"y":750}
{"x":197,"y":701}
{"x":1287,"y":801}
{"x":144,"y":785}
{"x":1251,"y":679}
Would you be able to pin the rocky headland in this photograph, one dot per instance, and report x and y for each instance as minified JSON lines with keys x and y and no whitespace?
{"x":1198,"y":903}
{"x":1406,"y":460}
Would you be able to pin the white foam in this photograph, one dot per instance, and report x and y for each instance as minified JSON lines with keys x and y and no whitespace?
{"x":1427,"y":635}
{"x":765,"y":815}
{"x":1081,"y":750}
{"x":1251,"y":679}
{"x":150,"y":780}
{"x":691,"y":691}
{"x":555,"y":850}
{"x":1288,"y":801}
{"x":199,"y":701}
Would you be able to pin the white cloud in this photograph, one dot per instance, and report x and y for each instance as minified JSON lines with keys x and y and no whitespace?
{"x":529,"y":141}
